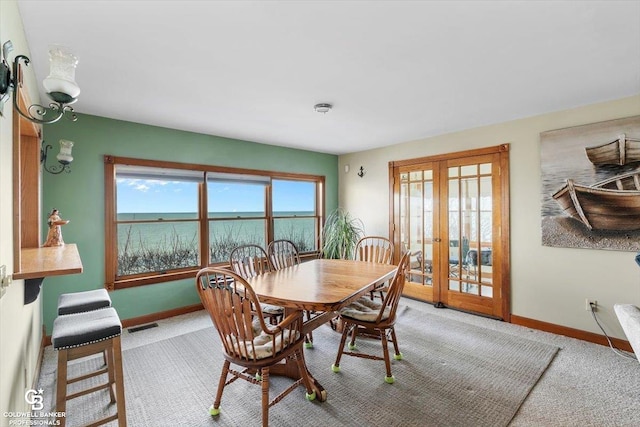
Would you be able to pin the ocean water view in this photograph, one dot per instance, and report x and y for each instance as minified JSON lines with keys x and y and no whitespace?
{"x":155,"y":241}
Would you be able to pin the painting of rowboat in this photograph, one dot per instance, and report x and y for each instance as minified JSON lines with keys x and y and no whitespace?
{"x":591,"y":185}
{"x":627,"y":181}
{"x":613,"y":204}
{"x":618,"y":152}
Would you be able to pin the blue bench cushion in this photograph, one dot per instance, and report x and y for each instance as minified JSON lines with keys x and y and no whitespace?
{"x":78,"y":302}
{"x":75,"y":330}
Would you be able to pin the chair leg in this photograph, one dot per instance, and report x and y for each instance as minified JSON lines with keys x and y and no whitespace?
{"x":385,"y":352}
{"x":398,"y":355}
{"x":343,"y":340}
{"x":308,"y":339}
{"x":354,"y":334}
{"x":304,"y":374}
{"x":265,"y":397}
{"x":119,"y":378}
{"x":215,"y":409}
{"x":107,"y":355}
{"x":61,"y":386}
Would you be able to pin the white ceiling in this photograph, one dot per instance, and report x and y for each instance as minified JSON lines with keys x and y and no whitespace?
{"x":395,"y":71}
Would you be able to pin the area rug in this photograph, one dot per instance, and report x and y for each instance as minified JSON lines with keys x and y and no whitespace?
{"x":452,"y":374}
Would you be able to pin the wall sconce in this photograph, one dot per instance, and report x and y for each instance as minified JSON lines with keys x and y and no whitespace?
{"x":64,"y":157}
{"x":60,"y":84}
{"x":361,"y":172}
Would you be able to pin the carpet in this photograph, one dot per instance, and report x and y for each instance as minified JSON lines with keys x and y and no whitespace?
{"x":452,"y":374}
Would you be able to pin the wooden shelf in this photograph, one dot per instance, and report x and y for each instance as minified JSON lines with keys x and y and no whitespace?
{"x":52,"y":261}
{"x":38,"y":263}
{"x":44,"y":262}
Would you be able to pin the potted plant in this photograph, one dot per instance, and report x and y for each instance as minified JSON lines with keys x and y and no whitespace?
{"x":340,"y":235}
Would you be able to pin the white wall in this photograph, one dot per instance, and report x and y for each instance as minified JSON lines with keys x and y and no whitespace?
{"x":20,"y":325}
{"x":548,"y":284}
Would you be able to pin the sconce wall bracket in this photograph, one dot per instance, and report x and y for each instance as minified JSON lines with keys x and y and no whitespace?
{"x":55,"y":169}
{"x":35,"y":113}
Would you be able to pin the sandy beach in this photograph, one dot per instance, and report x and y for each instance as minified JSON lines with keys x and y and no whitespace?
{"x":565,"y":232}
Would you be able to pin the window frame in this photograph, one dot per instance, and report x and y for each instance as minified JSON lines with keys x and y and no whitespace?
{"x":112,"y":281}
{"x":318,"y":223}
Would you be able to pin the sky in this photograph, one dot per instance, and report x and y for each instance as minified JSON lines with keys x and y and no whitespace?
{"x":145,"y":196}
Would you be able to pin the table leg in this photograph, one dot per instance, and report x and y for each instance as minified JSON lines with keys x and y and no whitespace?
{"x":289,"y":368}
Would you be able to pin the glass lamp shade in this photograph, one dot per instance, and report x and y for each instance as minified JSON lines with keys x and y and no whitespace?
{"x":60,"y":84}
{"x":64,"y":156}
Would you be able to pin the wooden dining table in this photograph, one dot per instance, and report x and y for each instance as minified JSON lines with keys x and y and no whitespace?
{"x":323,"y":286}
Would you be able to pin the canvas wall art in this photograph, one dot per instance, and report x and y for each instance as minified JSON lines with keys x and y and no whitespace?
{"x":591,"y":186}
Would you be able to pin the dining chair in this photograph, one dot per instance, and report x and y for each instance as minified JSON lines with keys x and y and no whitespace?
{"x":250,"y":261}
{"x":374,"y":249}
{"x":247,"y":341}
{"x":377,"y":318}
{"x":282,"y":254}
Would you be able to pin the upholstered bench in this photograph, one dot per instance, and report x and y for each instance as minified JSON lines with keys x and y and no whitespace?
{"x":83,"y":334}
{"x":629,"y":318}
{"x":77,"y":302}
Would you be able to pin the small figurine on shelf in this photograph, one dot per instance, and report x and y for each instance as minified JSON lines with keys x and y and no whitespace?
{"x":54,"y":236}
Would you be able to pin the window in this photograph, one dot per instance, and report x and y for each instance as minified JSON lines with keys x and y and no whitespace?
{"x":166,"y":220}
{"x":157,"y":219}
{"x":237,"y":214}
{"x":294,"y":213}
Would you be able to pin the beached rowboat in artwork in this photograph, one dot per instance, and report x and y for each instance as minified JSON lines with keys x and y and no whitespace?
{"x":612,"y":204}
{"x":618,"y":152}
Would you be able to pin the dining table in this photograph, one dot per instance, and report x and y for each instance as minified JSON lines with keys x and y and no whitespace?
{"x":321,"y":286}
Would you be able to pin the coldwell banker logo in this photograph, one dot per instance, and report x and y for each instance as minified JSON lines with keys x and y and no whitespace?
{"x":36,"y":417}
{"x":34,"y":398}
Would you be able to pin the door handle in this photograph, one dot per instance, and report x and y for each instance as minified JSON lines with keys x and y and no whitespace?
{"x":437,"y":240}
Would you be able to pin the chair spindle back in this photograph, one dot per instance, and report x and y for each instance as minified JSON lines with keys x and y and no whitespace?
{"x":249,"y":261}
{"x":283,"y":253}
{"x":394,"y":291}
{"x":374,"y":249}
{"x":235,"y":311}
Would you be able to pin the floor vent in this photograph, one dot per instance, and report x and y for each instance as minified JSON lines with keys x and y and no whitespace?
{"x":143,"y":327}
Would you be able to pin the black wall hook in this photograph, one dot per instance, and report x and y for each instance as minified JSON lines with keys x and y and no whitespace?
{"x":361,"y":172}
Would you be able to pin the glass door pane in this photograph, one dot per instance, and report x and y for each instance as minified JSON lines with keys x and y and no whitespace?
{"x":416,"y":227}
{"x":470,"y":229}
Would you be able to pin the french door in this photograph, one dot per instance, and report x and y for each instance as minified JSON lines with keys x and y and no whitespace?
{"x":451,"y":212}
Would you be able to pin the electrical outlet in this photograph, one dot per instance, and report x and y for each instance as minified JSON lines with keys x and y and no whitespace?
{"x":588,"y":303}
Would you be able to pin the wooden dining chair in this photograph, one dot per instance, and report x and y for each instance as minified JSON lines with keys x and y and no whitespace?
{"x":374,"y":249}
{"x":250,"y":261}
{"x":282,"y":254}
{"x":246,"y":339}
{"x":374,"y":317}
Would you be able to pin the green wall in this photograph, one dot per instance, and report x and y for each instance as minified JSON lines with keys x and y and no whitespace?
{"x":79,"y":196}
